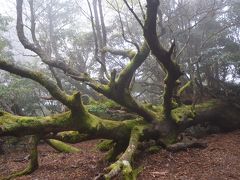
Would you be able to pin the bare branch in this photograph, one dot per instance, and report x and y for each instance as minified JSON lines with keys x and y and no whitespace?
{"x":98,"y":40}
{"x":217,"y":33}
{"x":33,"y":24}
{"x":141,"y":7}
{"x":122,"y":28}
{"x":183,"y":48}
{"x":134,"y":14}
{"x":36,"y":48}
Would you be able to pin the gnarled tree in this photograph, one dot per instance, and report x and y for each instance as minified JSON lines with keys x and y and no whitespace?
{"x":162,"y":124}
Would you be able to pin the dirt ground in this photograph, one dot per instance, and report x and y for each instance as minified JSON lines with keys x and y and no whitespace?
{"x":219,"y":161}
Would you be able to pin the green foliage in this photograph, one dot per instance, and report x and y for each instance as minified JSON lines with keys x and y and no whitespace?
{"x":72,"y":136}
{"x":21,"y":92}
{"x":137,"y":171}
{"x":105,"y":145}
{"x":153,"y":149}
{"x":99,"y":108}
{"x":102,"y":106}
{"x":110,"y":104}
{"x":183,"y":113}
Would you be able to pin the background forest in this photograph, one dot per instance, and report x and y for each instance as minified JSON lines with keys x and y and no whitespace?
{"x":206,"y":34}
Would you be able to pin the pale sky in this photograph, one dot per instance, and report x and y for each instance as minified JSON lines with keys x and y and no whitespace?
{"x":7,"y":7}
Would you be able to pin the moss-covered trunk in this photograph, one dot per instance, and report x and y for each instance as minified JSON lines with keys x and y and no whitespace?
{"x":225,"y":115}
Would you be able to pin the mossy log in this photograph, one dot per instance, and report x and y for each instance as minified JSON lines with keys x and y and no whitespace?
{"x":63,"y":126}
{"x":11,"y":125}
{"x":61,"y":147}
{"x":223,"y":114}
{"x":105,"y":145}
{"x":72,"y":123}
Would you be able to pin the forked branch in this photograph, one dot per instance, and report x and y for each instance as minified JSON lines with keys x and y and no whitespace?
{"x":163,"y":56}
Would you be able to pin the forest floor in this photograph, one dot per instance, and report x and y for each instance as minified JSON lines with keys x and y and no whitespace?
{"x":219,"y":161}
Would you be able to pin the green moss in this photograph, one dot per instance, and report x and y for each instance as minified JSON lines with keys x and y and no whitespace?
{"x":110,"y":110}
{"x":112,"y":105}
{"x":105,"y":145}
{"x":127,"y":172}
{"x":61,"y":146}
{"x":183,"y":88}
{"x":102,"y":106}
{"x":158,"y":108}
{"x":182,"y":113}
{"x":206,"y":105}
{"x":174,"y":104}
{"x":131,"y":53}
{"x":153,"y":149}
{"x":148,"y":106}
{"x":169,"y":139}
{"x":188,"y":112}
{"x":71,"y":136}
{"x":17,"y":125}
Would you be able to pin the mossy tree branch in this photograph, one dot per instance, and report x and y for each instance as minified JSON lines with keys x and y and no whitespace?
{"x":133,"y":129}
{"x":70,"y":136}
{"x":73,"y":102}
{"x":127,"y":73}
{"x":183,"y":88}
{"x":124,"y":53}
{"x":163,"y":56}
{"x":181,"y":91}
{"x":61,"y":146}
{"x":35,"y":46}
{"x":11,"y":125}
{"x":118,"y":88}
{"x":119,"y":93}
{"x":50,"y":85}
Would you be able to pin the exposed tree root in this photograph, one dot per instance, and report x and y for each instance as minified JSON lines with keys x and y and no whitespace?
{"x":187,"y":142}
{"x":116,"y":150}
{"x":105,"y":145}
{"x":33,"y":164}
{"x":123,"y":164}
{"x":61,"y":146}
{"x":70,"y":137}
